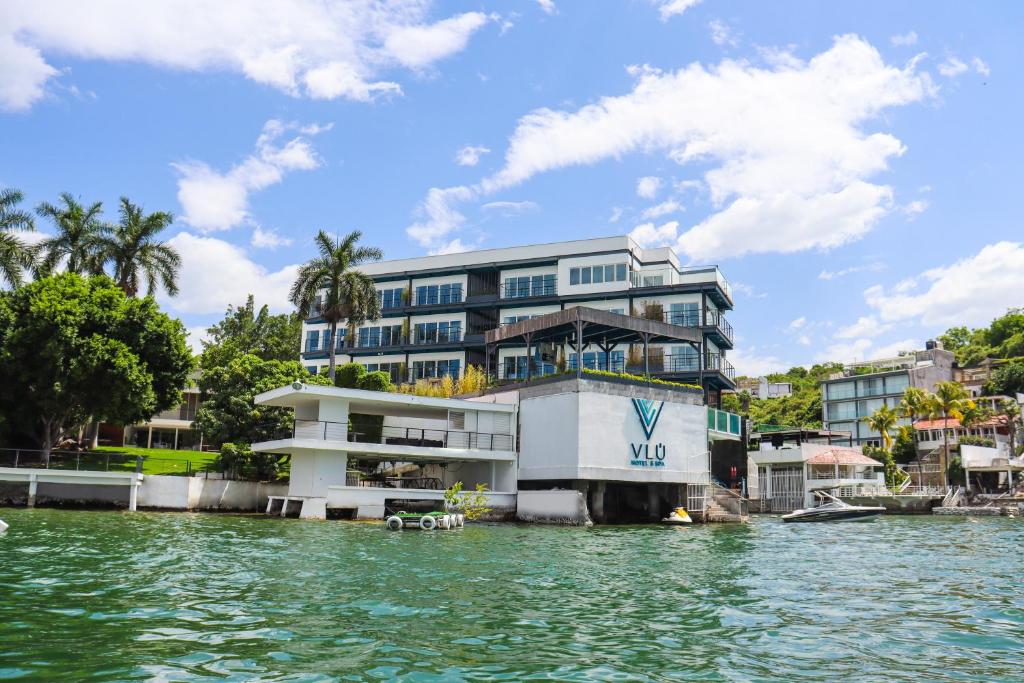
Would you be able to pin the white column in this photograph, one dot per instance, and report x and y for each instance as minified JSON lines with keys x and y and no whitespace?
{"x":133,"y":495}
{"x":175,"y":438}
{"x":32,"y":491}
{"x":149,"y":439}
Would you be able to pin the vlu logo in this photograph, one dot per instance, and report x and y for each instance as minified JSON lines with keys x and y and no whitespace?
{"x":648,"y":412}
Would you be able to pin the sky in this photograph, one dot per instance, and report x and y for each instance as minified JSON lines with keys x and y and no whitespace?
{"x":853,"y":168}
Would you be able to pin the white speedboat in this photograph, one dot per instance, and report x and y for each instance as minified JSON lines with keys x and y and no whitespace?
{"x":832,"y":509}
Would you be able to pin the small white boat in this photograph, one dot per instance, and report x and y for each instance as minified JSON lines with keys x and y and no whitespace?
{"x":3,"y":526}
{"x":833,"y":510}
{"x":678,"y":516}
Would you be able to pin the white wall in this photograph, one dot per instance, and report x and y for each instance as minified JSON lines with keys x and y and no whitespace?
{"x":566,"y":264}
{"x":198,"y":493}
{"x":313,"y":471}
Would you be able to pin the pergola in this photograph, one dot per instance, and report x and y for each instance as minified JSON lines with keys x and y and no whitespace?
{"x":581,"y":327}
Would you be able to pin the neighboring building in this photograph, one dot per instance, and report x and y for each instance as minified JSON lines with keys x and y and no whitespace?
{"x":791,"y":464}
{"x":172,"y":428}
{"x":861,"y":388}
{"x":760,"y":387}
{"x":930,"y":436}
{"x":436,"y":309}
{"x":567,"y":449}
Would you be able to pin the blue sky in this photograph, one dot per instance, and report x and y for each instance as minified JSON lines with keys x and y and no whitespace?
{"x":852,"y":167}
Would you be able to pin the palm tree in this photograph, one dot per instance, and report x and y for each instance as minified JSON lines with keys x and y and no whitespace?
{"x":348,"y":294}
{"x":883,"y":421}
{"x":1009,"y":410}
{"x":948,"y":401}
{"x":14,"y":254}
{"x":79,"y":230}
{"x":135,"y":254}
{"x":914,"y":405}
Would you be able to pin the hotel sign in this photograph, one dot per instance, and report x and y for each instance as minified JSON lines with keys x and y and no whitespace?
{"x":641,"y":453}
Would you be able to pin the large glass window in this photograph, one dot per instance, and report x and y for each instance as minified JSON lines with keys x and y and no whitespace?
{"x":437,"y":332}
{"x":312,"y":340}
{"x":390,"y":298}
{"x":431,"y":295}
{"x":686,"y":314}
{"x":430,"y":369}
{"x":373,"y":337}
{"x":596,"y":360}
{"x":871,"y":386}
{"x":682,"y":359}
{"x":841,"y":390}
{"x":896,"y":384}
{"x":845,"y":410}
{"x":585,"y":275}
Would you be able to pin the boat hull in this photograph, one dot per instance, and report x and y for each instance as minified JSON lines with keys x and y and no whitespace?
{"x":835,"y":515}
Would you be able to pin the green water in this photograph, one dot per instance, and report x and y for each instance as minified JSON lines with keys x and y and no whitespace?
{"x":110,"y":596}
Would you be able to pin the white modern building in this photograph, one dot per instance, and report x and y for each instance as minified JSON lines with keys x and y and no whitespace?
{"x":436,"y":310}
{"x":569,"y":449}
{"x":787,"y":476}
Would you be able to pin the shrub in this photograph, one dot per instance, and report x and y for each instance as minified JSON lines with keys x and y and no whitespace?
{"x":375,"y":381}
{"x":348,"y":375}
{"x":640,"y":378}
{"x":473,"y":504}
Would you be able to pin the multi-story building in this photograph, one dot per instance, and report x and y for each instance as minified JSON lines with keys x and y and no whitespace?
{"x":435,"y":310}
{"x":849,"y":397}
{"x":760,"y":387}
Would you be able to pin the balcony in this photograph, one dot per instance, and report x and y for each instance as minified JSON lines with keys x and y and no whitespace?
{"x":320,"y":430}
{"x":437,"y":300}
{"x":667,"y":277}
{"x":725,"y":423}
{"x":529,"y":288}
{"x":691,"y":318}
{"x":714,"y":362}
{"x":436,"y":337}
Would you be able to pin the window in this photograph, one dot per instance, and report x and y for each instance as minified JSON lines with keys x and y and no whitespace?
{"x":311,"y":369}
{"x":897,"y":384}
{"x":585,"y":275}
{"x":595,"y":360}
{"x":374,"y":337}
{"x":686,"y":314}
{"x":313,"y":340}
{"x":682,"y":359}
{"x":430,"y":369}
{"x":847,"y":410}
{"x":390,"y":298}
{"x":529,"y":285}
{"x":456,"y":419}
{"x":874,"y":386}
{"x":431,"y":295}
{"x":840,"y":390}
{"x":437,"y":332}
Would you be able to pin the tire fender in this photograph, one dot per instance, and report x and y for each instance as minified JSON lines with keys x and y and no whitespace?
{"x":427,"y":522}
{"x":394,"y":522}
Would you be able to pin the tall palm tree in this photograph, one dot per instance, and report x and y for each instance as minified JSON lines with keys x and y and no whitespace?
{"x":883,"y":421}
{"x":14,"y":254}
{"x":348,"y":293}
{"x":134,"y":253}
{"x":1009,"y":410}
{"x":79,"y":230}
{"x":914,"y":405}
{"x":948,"y":401}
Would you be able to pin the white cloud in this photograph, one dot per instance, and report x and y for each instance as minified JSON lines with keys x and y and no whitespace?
{"x":455,"y":246}
{"x":663,"y":209}
{"x":971,"y":291}
{"x":803,"y":340}
{"x":797,"y":323}
{"x":648,"y":186}
{"x":906,"y":39}
{"x":866,"y":326}
{"x":750,"y":363}
{"x":470,"y":155}
{"x":671,"y":8}
{"x":915,"y":208}
{"x":439,"y":216}
{"x":789,"y":160}
{"x":647,"y":235}
{"x":980,"y":66}
{"x":268,"y":239}
{"x":615,"y":215}
{"x":747,"y":290}
{"x":321,"y":48}
{"x":834,"y":274}
{"x":220,"y":201}
{"x":510,"y":208}
{"x":952,"y":67}
{"x":548,"y":6}
{"x":215,"y":273}
{"x":196,"y":336}
{"x":722,"y":33}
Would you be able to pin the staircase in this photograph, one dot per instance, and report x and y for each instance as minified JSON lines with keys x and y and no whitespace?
{"x":725,"y":506}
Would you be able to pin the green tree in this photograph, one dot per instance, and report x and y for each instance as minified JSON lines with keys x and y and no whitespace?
{"x":227,"y":412}
{"x":135,"y":254}
{"x":905,"y":447}
{"x":78,"y":239}
{"x":15,"y":255}
{"x":244,"y":330}
{"x":348,"y":294}
{"x":914,"y":405}
{"x":1009,"y":411}
{"x":75,"y":348}
{"x":1006,"y":380}
{"x":349,"y":375}
{"x":883,"y":421}
{"x":948,"y":401}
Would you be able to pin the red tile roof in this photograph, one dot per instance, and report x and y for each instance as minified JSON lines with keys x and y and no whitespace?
{"x":953,"y":423}
{"x":842,"y":456}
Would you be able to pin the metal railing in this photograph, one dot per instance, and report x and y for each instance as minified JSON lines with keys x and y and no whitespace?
{"x":529,"y":290}
{"x":436,"y":337}
{"x":715,"y":362}
{"x":865,"y":476}
{"x":100,"y":461}
{"x":439,"y":300}
{"x":322,"y":430}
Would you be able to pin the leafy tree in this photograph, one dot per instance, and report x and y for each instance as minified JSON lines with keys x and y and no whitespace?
{"x":1004,"y":338}
{"x":247,"y":331}
{"x":1009,"y":410}
{"x":375,"y":381}
{"x":14,"y":254}
{"x":227,"y":412}
{"x":1006,"y":380}
{"x":948,"y":401}
{"x":134,"y":253}
{"x":348,"y":294}
{"x":349,"y":374}
{"x":473,"y":504}
{"x":905,"y":447}
{"x":78,"y":239}
{"x":75,"y":348}
{"x":883,"y":421}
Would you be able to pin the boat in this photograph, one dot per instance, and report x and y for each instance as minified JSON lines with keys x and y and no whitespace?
{"x":832,"y":509}
{"x":678,"y":516}
{"x":3,"y":526}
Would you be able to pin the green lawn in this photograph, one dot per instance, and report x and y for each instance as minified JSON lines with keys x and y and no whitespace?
{"x":157,"y":460}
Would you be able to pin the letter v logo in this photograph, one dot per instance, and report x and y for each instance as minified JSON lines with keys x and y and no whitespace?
{"x":648,"y":414}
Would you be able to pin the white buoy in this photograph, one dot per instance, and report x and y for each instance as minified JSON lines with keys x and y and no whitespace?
{"x":3,"y":526}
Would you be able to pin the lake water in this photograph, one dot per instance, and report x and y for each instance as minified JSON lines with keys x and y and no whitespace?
{"x":110,"y":596}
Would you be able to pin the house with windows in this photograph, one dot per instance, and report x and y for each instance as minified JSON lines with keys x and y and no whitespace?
{"x":851,"y":396}
{"x":436,"y":310}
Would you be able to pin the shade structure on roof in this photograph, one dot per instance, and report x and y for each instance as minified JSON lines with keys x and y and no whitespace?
{"x":597,"y":327}
{"x":842,"y":456}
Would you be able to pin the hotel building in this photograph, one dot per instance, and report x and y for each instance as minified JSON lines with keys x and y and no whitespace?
{"x":436,"y":309}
